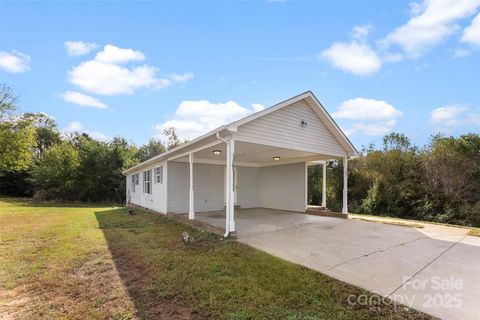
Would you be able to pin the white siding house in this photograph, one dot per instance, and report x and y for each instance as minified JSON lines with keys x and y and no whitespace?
{"x":257,"y":162}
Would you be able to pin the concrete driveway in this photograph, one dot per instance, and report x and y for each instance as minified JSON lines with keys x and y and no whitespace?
{"x":435,"y":269}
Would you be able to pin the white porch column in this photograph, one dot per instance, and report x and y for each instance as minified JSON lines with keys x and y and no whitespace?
{"x":324,"y":185}
{"x":231,"y":186}
{"x":345,"y":186}
{"x":306,"y":186}
{"x":191,"y":209}
{"x":227,"y":191}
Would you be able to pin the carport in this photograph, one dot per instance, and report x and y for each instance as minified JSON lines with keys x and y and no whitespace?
{"x":259,"y":161}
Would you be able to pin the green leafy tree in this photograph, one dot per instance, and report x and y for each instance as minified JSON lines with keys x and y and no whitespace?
{"x":451,"y":169}
{"x":17,"y":140}
{"x":7,"y":101}
{"x":46,"y":131}
{"x":56,"y":174}
{"x":17,"y":136}
{"x":150,"y":150}
{"x":394,"y":178}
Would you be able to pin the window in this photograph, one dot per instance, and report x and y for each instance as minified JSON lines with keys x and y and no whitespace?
{"x":159,"y":174}
{"x":147,"y":181}
{"x":134,"y":181}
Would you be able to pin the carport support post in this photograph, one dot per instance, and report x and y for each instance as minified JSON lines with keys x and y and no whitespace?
{"x":345,"y":185}
{"x":231,"y":191}
{"x":324,"y":185}
{"x":191,"y":212}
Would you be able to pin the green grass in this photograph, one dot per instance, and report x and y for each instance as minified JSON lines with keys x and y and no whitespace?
{"x":412,"y":223}
{"x":393,"y":221}
{"x":474,"y":232}
{"x":60,"y":261}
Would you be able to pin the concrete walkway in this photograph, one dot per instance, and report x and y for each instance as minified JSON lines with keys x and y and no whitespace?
{"x":434,"y":269}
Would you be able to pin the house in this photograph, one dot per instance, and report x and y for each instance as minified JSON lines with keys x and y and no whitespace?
{"x":259,"y":161}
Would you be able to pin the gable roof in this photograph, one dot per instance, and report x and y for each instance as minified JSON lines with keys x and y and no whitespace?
{"x":316,"y":106}
{"x":308,"y":96}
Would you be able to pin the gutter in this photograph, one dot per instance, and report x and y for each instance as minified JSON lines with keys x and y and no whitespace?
{"x":183,"y":146}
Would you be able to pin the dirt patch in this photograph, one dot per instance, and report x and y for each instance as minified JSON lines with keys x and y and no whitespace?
{"x":12,"y":301}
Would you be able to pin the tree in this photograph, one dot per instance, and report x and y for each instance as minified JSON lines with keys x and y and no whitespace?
{"x":57,"y":171}
{"x":173,"y":140}
{"x":396,"y":141}
{"x":100,"y":176}
{"x":393,"y":178}
{"x":94,"y":172}
{"x":17,"y":140}
{"x":7,"y":101}
{"x":451,"y":169}
{"x":122,"y":157}
{"x":150,"y":150}
{"x":17,"y":136}
{"x":47,"y":133}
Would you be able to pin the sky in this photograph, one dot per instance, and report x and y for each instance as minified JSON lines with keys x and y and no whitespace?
{"x":133,"y":68}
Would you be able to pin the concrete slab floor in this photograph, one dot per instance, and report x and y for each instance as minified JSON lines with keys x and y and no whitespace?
{"x":435,"y":269}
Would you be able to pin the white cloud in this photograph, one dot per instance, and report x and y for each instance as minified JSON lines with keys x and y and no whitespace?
{"x":461,"y":53}
{"x":453,"y":116}
{"x":181,"y":77}
{"x":78,"y":48}
{"x":74,"y":126}
{"x":393,"y":57}
{"x":110,"y":79}
{"x":366,"y":109}
{"x":194,"y":118}
{"x":354,"y":57}
{"x":257,"y":107}
{"x":77,"y":127}
{"x":471,"y":34}
{"x":82,"y":99}
{"x":372,"y":129}
{"x":14,"y":62}
{"x":116,"y":55}
{"x":374,"y":117}
{"x":106,"y":76}
{"x":431,"y":22}
{"x":361,"y":31}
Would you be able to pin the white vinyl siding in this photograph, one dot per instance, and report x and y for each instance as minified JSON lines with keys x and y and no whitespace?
{"x":157,"y":198}
{"x":276,"y":187}
{"x":178,"y":187}
{"x":208,"y":187}
{"x":283,"y":187}
{"x":248,"y":187}
{"x":283,"y":128}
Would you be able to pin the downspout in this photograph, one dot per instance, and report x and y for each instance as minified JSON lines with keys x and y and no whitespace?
{"x":227,"y":223}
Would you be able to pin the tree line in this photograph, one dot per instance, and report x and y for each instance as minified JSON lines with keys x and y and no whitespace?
{"x":437,"y":182}
{"x":37,"y":159}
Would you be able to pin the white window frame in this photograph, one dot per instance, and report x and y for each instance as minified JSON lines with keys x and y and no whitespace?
{"x":159,"y":175}
{"x":147,"y":181}
{"x":132,"y":181}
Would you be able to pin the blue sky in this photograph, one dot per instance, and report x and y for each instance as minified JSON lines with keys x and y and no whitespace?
{"x":131,"y":68}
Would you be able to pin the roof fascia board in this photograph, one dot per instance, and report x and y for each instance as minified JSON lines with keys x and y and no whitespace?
{"x":176,"y":149}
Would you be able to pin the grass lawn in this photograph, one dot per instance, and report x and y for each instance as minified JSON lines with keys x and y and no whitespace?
{"x":472,"y":231}
{"x":64,"y":261}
